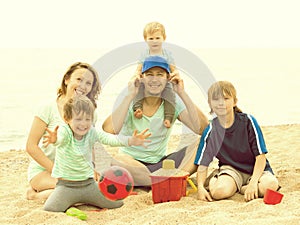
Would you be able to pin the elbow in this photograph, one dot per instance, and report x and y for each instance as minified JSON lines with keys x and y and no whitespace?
{"x":107,"y":129}
{"x":107,"y":125}
{"x":29,"y":147}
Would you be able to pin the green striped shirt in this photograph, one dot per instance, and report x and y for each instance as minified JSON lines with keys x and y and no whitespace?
{"x":73,"y":160}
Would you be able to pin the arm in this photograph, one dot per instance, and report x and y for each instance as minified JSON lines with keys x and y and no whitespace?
{"x":138,"y":71}
{"x":195,"y":123}
{"x":114,"y":122}
{"x":251,"y":191}
{"x":137,"y":139}
{"x":37,"y":131}
{"x":201,"y":177}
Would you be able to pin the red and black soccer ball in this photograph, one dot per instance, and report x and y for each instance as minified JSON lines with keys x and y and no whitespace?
{"x":116,"y":183}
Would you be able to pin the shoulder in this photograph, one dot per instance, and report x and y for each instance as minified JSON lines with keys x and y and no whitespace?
{"x":65,"y":129}
{"x":208,"y":129}
{"x":144,"y":55}
{"x":45,"y":110}
{"x":248,"y":119}
{"x":168,"y":56}
{"x":245,"y":117}
{"x":46,"y":106}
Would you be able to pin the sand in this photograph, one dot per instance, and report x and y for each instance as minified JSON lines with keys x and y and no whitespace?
{"x":282,"y":141}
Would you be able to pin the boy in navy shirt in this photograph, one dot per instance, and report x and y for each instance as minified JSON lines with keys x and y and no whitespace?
{"x":236,"y":140}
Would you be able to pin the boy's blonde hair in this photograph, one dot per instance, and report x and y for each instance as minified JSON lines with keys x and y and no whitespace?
{"x":153,"y":27}
{"x":224,"y":89}
{"x":78,"y":104}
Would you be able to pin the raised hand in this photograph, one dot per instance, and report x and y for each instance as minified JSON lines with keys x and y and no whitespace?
{"x":177,"y":82}
{"x":134,"y":84}
{"x":139,"y":139}
{"x":51,"y":137}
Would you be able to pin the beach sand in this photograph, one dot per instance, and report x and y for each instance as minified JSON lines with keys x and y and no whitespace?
{"x":282,"y":141}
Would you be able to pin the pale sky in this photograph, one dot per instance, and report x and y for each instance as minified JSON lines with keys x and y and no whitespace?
{"x":112,"y":23}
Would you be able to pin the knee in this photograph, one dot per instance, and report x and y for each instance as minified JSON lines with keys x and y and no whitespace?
{"x":221,"y":192}
{"x":51,"y":208}
{"x":269,"y":182}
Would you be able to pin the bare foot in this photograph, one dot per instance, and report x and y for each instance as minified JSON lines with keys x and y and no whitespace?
{"x":33,"y":195}
{"x":167,"y":123}
{"x":138,"y":113}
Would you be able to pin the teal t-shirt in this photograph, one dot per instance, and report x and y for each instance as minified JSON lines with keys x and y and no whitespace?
{"x":157,"y":148}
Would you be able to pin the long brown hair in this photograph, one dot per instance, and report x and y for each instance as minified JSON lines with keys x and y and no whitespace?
{"x":96,"y":87}
{"x":222,"y":88}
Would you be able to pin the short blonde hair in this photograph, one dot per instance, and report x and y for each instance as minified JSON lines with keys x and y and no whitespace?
{"x":153,"y":27}
{"x":224,"y":89}
{"x":78,"y":104}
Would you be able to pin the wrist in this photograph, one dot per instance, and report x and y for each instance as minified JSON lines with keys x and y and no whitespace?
{"x":129,"y":142}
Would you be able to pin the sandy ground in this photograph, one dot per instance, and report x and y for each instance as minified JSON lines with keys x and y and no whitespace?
{"x":283,"y":143}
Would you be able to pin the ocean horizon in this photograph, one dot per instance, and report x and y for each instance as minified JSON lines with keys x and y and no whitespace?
{"x":267,"y":83}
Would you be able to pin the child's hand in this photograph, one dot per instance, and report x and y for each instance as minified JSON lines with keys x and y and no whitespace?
{"x":251,"y":192}
{"x":203,"y":195}
{"x":139,"y":139}
{"x":51,"y":137}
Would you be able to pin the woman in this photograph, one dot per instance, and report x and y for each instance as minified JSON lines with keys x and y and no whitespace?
{"x":80,"y":79}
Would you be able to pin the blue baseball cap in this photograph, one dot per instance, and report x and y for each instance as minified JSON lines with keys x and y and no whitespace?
{"x":155,"y":61}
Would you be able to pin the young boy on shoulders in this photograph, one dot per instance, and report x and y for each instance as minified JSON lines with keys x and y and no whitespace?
{"x":155,"y":35}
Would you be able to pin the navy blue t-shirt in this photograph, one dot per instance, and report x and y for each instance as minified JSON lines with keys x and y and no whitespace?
{"x":236,"y":146}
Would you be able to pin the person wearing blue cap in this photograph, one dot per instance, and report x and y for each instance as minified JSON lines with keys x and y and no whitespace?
{"x":141,"y":162}
{"x":155,"y":35}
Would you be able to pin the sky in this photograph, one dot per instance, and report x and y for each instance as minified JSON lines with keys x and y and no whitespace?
{"x":190,"y":23}
{"x":249,"y":42}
